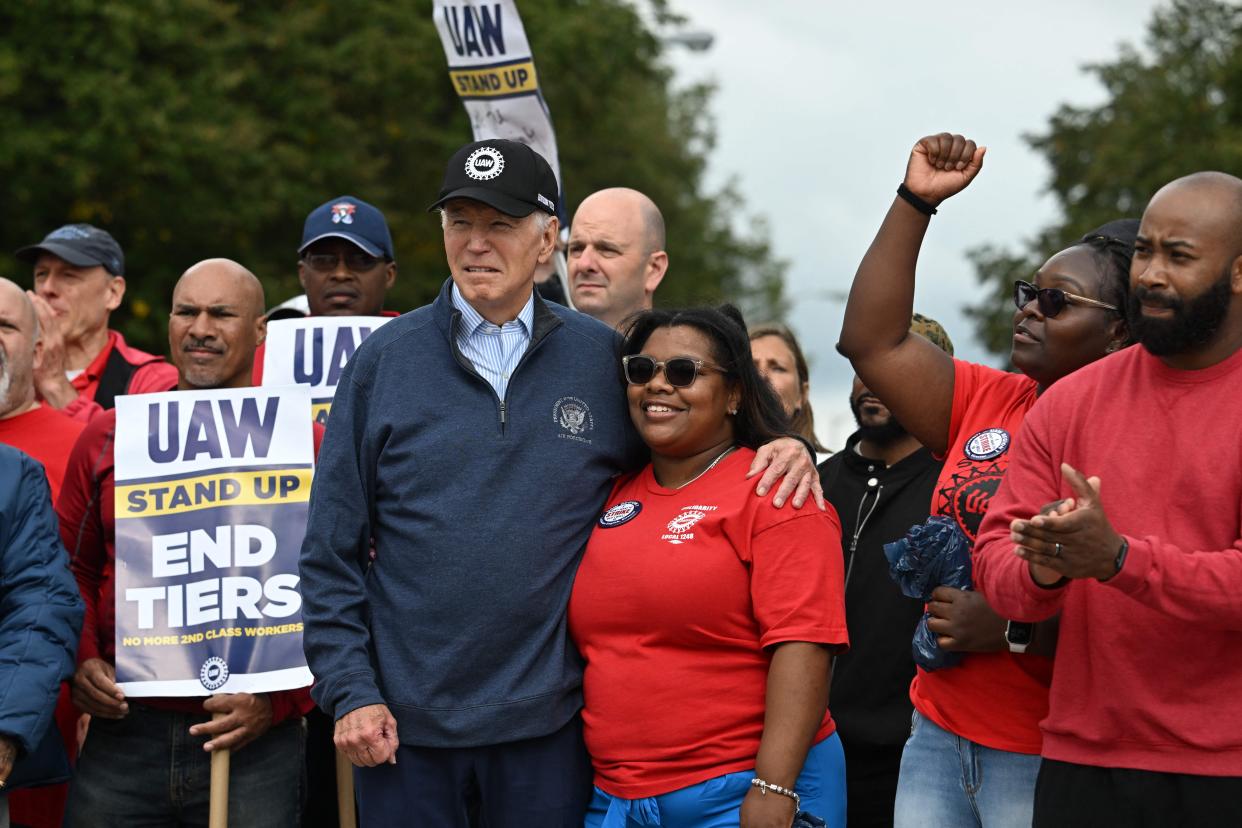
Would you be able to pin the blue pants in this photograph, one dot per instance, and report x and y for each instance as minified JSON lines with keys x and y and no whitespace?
{"x":948,"y":780}
{"x":147,"y":771}
{"x":544,"y":782}
{"x":715,"y":803}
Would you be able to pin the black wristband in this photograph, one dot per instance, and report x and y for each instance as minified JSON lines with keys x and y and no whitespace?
{"x":914,"y":201}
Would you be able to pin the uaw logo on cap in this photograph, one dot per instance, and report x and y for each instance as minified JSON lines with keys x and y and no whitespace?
{"x":343,"y":213}
{"x":485,"y":163}
{"x":989,"y":443}
{"x":623,"y":512}
{"x":214,"y":673}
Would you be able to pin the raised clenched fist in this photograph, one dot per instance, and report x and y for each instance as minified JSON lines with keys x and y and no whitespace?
{"x":942,"y":165}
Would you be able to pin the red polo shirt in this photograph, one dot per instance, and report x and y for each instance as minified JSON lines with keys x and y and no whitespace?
{"x":151,"y":373}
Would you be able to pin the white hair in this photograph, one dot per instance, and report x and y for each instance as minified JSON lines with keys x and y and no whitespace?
{"x":542,"y":219}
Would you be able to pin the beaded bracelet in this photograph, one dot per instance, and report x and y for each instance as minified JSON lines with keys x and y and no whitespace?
{"x":768,"y":786}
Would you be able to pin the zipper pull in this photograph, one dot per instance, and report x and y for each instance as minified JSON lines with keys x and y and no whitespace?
{"x":502,"y":412}
{"x":854,"y":545}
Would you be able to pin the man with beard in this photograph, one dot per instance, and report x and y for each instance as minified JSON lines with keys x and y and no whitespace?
{"x":1142,"y":553}
{"x":47,"y":435}
{"x":881,"y":484}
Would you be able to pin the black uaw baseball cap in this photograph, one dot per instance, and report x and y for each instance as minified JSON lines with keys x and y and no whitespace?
{"x":507,"y":175}
{"x":81,"y":245}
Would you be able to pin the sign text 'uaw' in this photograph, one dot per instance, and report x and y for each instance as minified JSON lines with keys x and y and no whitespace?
{"x":211,"y":498}
{"x":313,"y":352}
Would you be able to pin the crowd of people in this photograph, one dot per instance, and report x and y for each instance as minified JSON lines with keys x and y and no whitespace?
{"x":569,"y":559}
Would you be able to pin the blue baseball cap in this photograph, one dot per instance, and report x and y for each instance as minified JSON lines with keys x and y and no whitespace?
{"x":351,"y":219}
{"x":81,"y":245}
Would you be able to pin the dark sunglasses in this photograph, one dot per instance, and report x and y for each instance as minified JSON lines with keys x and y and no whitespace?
{"x":680,"y":372}
{"x":1051,"y":300}
{"x":355,"y":260}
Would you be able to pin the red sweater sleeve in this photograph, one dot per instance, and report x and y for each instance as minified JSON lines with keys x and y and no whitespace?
{"x":1195,"y":586}
{"x":152,"y":378}
{"x":1032,"y":480}
{"x":81,"y":528}
{"x":290,"y":704}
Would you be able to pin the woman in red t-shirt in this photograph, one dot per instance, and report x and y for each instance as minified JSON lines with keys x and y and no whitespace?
{"x":973,"y":754}
{"x":707,"y":617}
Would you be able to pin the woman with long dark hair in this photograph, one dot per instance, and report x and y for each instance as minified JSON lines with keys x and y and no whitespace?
{"x":706,"y":616}
{"x":973,"y":753}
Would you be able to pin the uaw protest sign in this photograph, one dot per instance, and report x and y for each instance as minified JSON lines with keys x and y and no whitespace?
{"x":313,"y":352}
{"x":493,"y":72}
{"x":212,"y":493}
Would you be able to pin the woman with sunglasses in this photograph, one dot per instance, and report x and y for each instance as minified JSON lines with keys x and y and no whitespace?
{"x":707,"y":617}
{"x":973,"y":753}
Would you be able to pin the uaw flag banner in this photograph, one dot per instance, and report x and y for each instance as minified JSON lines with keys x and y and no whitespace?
{"x":212,"y":493}
{"x":313,"y":352}
{"x":492,"y":71}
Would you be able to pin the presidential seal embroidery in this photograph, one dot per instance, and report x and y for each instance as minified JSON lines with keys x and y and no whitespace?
{"x":573,"y":416}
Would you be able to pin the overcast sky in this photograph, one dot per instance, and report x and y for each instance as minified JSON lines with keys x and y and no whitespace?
{"x":819,"y":103}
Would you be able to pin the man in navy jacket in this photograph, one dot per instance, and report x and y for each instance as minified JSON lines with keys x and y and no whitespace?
{"x":40,"y":615}
{"x":435,"y":571}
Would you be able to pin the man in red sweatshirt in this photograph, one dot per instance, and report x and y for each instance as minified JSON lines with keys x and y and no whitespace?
{"x":145,"y":761}
{"x":1122,"y":512}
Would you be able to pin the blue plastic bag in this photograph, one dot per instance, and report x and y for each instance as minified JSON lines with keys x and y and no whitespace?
{"x":934,"y":553}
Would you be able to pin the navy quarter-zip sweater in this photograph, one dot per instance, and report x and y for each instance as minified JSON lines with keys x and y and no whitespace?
{"x":458,"y":624}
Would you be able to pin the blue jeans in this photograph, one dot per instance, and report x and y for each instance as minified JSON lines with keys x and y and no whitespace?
{"x":715,"y":803}
{"x":146,"y":770}
{"x":948,"y":780}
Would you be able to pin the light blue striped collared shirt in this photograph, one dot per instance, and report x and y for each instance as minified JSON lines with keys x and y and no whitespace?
{"x":493,"y":350}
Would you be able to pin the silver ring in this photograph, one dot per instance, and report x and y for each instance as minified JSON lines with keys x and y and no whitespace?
{"x":1057,"y":549}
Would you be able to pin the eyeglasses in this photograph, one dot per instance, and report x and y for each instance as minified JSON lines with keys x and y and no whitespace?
{"x":680,"y":372}
{"x":355,"y":260}
{"x":1051,"y":300}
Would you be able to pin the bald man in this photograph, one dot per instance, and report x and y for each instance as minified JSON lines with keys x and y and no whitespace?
{"x":36,"y":428}
{"x":47,"y":435}
{"x":147,"y":763}
{"x":1139,"y":457}
{"x":616,"y":254}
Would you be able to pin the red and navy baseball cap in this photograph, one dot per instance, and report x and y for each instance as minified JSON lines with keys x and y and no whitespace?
{"x":506,"y":175}
{"x":81,"y":245}
{"x":351,"y":219}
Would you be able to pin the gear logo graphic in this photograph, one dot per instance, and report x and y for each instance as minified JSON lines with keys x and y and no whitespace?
{"x":214,"y":673}
{"x":485,"y":163}
{"x":685,"y":520}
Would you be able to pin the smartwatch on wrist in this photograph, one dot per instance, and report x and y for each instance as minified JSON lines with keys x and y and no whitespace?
{"x":1019,"y":634}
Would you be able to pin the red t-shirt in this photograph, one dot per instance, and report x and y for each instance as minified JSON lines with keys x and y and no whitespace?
{"x":678,"y":596}
{"x":45,"y":434}
{"x":994,"y":699}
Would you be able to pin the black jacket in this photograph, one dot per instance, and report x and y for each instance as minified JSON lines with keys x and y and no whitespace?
{"x":870,"y":698}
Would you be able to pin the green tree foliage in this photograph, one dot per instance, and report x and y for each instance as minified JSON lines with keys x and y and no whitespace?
{"x":198,"y":128}
{"x":1170,"y":111}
